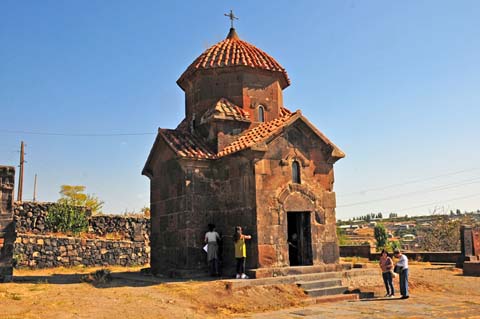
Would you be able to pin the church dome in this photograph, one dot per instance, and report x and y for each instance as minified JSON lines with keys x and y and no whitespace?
{"x":233,"y":52}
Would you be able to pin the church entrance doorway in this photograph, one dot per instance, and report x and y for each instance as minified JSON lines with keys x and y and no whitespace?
{"x":299,"y":238}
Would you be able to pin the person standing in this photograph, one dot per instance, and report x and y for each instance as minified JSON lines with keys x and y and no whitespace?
{"x":212,"y":239}
{"x":386,"y":264}
{"x":402,"y":269}
{"x":240,"y":251}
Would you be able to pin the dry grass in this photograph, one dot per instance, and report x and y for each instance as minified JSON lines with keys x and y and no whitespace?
{"x":58,"y":293}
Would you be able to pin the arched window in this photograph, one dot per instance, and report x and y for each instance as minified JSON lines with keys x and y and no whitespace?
{"x":295,"y":172}
{"x":261,"y":114}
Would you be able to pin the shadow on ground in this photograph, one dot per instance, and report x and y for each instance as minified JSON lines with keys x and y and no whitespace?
{"x":118,"y":279}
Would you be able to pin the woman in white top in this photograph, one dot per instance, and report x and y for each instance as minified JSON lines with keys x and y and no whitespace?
{"x":402,"y":268}
{"x":211,"y":239}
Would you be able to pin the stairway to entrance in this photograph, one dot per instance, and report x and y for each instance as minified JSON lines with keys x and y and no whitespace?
{"x":323,"y":287}
{"x":319,"y":286}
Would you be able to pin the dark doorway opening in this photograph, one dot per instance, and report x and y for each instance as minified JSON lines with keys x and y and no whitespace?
{"x":299,"y":238}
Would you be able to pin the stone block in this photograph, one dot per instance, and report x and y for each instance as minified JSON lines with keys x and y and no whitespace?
{"x":267,"y":255}
{"x":471,"y":268}
{"x":329,"y":200}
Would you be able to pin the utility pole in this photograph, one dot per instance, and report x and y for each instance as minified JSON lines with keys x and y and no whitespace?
{"x":35,"y":189}
{"x":20,"y":176}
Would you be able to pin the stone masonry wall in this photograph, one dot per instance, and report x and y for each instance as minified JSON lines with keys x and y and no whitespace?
{"x":277,"y":196}
{"x":39,"y":251}
{"x":126,"y":240}
{"x":128,"y":228}
{"x":30,"y":218}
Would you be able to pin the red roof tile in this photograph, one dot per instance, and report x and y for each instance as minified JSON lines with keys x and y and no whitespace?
{"x":225,"y":110}
{"x":186,"y":144}
{"x":284,"y":111}
{"x":234,"y":52}
{"x":190,"y":146}
{"x":256,"y":135}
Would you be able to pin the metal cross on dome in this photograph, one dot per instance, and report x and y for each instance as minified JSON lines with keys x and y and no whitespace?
{"x":231,"y":16}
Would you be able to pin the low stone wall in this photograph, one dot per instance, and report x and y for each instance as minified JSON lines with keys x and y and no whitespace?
{"x":428,"y":256}
{"x":30,"y":218}
{"x":39,"y":251}
{"x":355,"y":251}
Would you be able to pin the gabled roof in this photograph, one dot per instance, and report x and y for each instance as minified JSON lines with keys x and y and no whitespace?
{"x":233,"y":52}
{"x":225,"y":110}
{"x":187,"y":145}
{"x":265,"y":132}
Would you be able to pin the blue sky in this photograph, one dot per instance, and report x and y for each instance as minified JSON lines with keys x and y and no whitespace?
{"x":395,"y":84}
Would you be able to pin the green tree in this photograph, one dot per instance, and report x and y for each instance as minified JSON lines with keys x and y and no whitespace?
{"x":74,"y":195}
{"x":380,"y":235}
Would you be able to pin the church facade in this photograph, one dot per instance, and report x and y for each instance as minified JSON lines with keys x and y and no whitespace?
{"x":240,"y":157}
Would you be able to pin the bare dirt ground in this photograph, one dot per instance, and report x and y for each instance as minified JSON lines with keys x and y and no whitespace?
{"x":59,"y":293}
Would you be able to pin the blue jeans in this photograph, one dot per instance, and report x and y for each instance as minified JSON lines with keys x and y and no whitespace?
{"x":404,"y":282}
{"x":387,"y":280}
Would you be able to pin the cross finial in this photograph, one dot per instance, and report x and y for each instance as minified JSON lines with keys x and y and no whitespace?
{"x":232,"y":17}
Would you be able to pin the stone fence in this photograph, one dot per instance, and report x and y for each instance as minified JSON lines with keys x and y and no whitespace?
{"x":365,"y":251}
{"x":40,"y":251}
{"x":355,"y":251}
{"x":123,"y":241}
{"x":30,"y":218}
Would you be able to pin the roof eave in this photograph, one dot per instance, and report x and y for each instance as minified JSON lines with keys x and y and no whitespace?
{"x":188,"y":73}
{"x":336,"y":153}
{"x":147,"y":169}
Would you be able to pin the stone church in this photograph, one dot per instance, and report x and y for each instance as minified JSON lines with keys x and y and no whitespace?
{"x":240,"y":157}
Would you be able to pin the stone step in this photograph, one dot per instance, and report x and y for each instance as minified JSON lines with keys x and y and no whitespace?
{"x":336,"y":298}
{"x":324,"y":283}
{"x":293,"y":271}
{"x":328,"y":291}
{"x":292,"y":279}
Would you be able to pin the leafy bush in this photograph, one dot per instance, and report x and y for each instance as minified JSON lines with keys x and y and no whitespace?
{"x":67,"y":218}
{"x":392,"y":244}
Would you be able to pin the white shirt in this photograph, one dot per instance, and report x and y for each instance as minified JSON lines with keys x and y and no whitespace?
{"x":212,"y":236}
{"x":403,"y":262}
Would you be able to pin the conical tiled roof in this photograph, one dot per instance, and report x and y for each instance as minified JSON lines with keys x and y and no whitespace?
{"x":233,"y":52}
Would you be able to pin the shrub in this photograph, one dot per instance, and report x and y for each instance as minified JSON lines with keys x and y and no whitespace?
{"x":67,"y":218}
